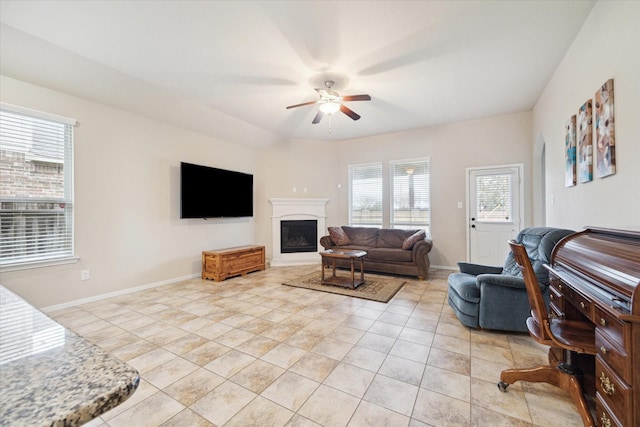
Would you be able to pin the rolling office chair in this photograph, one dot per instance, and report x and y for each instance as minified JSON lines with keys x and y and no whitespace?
{"x":571,"y":336}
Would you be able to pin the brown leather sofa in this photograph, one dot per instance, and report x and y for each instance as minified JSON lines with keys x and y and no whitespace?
{"x":395,"y":251}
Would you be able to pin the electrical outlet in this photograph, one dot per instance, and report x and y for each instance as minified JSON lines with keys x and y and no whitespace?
{"x":85,"y":275}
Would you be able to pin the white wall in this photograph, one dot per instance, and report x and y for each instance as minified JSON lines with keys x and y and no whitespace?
{"x":608,"y":46}
{"x":127,"y":227}
{"x":452,"y":148}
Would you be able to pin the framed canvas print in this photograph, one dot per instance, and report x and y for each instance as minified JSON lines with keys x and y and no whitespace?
{"x":605,"y":135}
{"x":585,"y":143}
{"x":570,"y":152}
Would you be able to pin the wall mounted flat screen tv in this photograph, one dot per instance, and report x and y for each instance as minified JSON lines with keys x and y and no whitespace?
{"x":207,"y":192}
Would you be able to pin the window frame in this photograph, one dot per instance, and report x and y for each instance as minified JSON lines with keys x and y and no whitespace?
{"x":67,"y":254}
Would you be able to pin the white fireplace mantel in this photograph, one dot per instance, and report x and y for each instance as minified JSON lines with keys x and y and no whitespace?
{"x":291,"y":210}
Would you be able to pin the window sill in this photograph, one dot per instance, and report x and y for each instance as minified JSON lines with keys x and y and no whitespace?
{"x":38,"y":264}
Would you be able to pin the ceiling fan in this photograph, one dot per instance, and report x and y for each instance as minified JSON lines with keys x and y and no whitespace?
{"x":330,"y":102}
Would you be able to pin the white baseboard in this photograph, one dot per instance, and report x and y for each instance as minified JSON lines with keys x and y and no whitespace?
{"x":117,"y":293}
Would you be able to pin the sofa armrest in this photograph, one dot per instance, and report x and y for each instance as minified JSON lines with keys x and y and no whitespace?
{"x":423,"y":245}
{"x":326,"y":242}
{"x":420,"y":253}
{"x":476,"y":269}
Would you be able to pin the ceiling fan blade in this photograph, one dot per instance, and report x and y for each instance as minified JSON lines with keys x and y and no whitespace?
{"x":318,"y":117}
{"x":349,"y":112}
{"x":303,"y":104}
{"x":356,"y":98}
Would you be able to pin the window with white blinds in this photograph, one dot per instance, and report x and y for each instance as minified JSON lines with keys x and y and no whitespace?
{"x":365,"y":195}
{"x":410,"y":201}
{"x":36,"y":190}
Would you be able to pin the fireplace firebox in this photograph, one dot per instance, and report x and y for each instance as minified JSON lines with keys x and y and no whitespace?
{"x":298,"y":236}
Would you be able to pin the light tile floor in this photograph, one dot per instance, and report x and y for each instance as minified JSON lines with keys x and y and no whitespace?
{"x":251,"y":352}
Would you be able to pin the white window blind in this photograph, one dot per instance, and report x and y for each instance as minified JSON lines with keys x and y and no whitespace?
{"x":410,"y":194}
{"x":36,"y":191}
{"x":493,"y":200}
{"x":365,"y":195}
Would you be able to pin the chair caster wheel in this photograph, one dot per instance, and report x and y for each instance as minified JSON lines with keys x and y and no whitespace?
{"x":503,"y":386}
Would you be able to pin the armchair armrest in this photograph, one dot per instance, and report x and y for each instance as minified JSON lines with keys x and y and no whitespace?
{"x":504,"y":281}
{"x":476,"y":269}
{"x":500,"y":280}
{"x":504,"y":304}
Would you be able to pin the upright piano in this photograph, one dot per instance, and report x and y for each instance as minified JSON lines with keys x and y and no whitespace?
{"x":595,"y":277}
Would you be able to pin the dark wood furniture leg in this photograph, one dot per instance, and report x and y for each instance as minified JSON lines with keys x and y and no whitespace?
{"x":353,"y":278}
{"x":554,"y":376}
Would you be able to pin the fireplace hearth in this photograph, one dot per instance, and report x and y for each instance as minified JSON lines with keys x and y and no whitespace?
{"x":298,"y":236}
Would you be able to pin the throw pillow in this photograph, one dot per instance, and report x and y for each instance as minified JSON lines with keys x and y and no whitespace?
{"x":338,"y":236}
{"x":413,"y":239}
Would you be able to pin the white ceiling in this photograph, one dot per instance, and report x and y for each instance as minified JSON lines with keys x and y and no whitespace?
{"x":230,"y":68}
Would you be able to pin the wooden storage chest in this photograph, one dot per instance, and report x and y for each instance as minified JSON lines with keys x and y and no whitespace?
{"x":223,"y":263}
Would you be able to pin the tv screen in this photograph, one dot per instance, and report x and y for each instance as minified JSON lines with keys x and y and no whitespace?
{"x":207,"y":192}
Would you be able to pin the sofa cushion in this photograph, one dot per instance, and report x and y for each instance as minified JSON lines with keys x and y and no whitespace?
{"x":392,"y":238}
{"x":338,"y":236}
{"x":389,"y":255}
{"x":413,"y":239}
{"x":362,"y":236}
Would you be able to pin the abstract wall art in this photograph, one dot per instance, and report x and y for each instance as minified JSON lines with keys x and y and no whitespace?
{"x":585,"y":142}
{"x":570,"y":152}
{"x":604,"y":132}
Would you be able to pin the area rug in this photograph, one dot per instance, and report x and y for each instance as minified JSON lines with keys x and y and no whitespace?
{"x":376,"y":287}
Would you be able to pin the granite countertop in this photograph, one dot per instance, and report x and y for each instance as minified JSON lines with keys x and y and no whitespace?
{"x":50,"y":376}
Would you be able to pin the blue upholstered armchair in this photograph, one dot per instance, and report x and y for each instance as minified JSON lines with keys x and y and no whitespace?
{"x":495,"y":297}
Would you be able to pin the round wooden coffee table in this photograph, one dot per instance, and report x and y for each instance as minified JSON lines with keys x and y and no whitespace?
{"x":346,"y":282}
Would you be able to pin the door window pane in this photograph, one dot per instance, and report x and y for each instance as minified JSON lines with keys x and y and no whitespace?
{"x":493,"y":198}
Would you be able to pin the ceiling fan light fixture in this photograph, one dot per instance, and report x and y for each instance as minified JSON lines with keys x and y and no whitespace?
{"x":329,"y":107}
{"x":330,"y":102}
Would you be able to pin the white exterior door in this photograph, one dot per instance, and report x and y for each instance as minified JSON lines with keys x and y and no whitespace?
{"x":494,"y":212}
